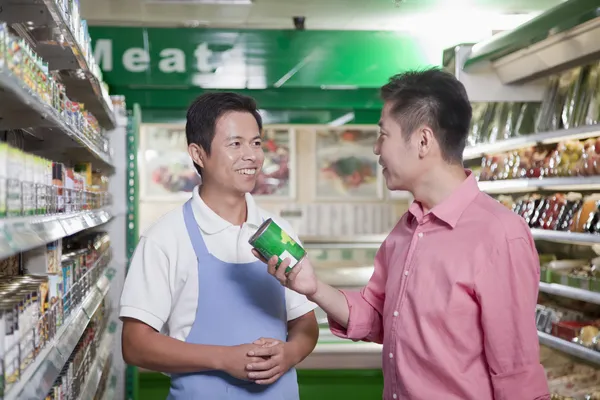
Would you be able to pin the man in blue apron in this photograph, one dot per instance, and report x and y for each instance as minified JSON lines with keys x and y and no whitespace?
{"x":196,"y":303}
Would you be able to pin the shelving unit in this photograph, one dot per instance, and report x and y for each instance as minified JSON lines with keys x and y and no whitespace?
{"x":583,"y":132}
{"x":547,"y":184}
{"x":43,"y":25}
{"x":104,"y":350}
{"x":558,"y":62}
{"x":21,"y":234}
{"x":50,"y":134}
{"x":570,"y":292}
{"x":41,"y":113}
{"x":573,"y":349}
{"x":39,"y":378}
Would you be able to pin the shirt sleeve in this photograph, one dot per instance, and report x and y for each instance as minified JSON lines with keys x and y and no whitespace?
{"x":146,"y":294}
{"x":297,"y":304}
{"x":507,"y":292}
{"x":366,"y":307}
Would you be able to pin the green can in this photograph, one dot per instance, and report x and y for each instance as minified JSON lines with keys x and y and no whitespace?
{"x":270,"y":240}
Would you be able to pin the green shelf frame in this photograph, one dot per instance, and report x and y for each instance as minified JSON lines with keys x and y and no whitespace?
{"x":133,"y":128}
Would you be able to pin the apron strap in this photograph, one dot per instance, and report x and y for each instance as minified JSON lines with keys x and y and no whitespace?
{"x":194,"y":230}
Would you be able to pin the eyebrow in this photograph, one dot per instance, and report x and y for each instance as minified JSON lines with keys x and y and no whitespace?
{"x":239,"y":138}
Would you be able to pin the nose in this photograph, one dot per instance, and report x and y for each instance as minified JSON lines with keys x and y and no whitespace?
{"x":249,"y":153}
{"x":377,"y":148}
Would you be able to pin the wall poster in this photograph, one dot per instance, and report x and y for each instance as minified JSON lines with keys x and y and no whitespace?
{"x":277,"y":178}
{"x":167,"y":172}
{"x":347,"y":168}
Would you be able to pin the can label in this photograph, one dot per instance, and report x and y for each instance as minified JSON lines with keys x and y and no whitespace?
{"x":270,"y":240}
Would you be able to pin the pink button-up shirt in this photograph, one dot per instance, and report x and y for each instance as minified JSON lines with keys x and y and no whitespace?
{"x":452,"y":299}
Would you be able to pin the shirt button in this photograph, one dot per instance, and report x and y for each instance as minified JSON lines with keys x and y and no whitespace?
{"x":405,"y":273}
{"x":420,"y":234}
{"x":395,"y":396}
{"x":391,"y":355}
{"x":395,"y":313}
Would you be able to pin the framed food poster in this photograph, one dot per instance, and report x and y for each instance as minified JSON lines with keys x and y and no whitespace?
{"x":347,"y":168}
{"x":277,"y":178}
{"x":166,"y":170}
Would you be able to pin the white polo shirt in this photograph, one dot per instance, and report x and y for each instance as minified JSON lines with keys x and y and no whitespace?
{"x":161,"y":288}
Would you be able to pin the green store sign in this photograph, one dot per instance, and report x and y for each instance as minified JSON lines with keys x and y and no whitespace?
{"x":253,"y":59}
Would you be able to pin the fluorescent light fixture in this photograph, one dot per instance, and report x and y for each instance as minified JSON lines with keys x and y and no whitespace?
{"x":344,"y":119}
{"x":215,"y":2}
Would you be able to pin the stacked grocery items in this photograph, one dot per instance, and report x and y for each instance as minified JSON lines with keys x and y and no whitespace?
{"x":32,"y":185}
{"x":72,"y":16}
{"x":581,"y":274}
{"x":574,"y":322}
{"x":25,"y":65}
{"x":493,"y":122}
{"x":571,"y":212}
{"x":39,"y":291}
{"x":567,"y":158}
{"x":569,"y":379}
{"x":78,"y":369}
{"x":572,"y":99}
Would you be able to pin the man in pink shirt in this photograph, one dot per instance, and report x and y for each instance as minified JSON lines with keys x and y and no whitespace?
{"x":453,"y":294}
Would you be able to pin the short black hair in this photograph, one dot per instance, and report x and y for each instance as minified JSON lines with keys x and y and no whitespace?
{"x":436,"y":98}
{"x":205,"y":111}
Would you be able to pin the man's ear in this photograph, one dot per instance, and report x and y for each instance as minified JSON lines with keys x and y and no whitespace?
{"x":197,"y":153}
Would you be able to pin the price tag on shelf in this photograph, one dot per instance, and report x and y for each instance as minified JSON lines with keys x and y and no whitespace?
{"x":22,"y":236}
{"x":48,"y":230}
{"x":89,"y":220}
{"x":77,"y":223}
{"x":73,"y":330}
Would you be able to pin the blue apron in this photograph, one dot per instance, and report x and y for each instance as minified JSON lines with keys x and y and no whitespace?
{"x":237,"y":304}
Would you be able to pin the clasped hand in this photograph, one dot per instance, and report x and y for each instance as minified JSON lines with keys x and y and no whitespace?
{"x":264,"y":361}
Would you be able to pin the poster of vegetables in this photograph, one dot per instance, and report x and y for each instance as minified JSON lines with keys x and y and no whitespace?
{"x":276,"y":178}
{"x":347,"y":168}
{"x":166,"y":170}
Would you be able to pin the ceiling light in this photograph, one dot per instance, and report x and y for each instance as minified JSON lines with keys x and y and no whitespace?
{"x":217,"y":2}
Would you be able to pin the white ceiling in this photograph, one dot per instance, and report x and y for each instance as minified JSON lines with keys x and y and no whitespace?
{"x":320,"y":14}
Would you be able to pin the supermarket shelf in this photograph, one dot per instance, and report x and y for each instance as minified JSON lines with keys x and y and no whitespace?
{"x":569,"y":348}
{"x":90,"y":387}
{"x":531,"y":185}
{"x":39,"y":377}
{"x":570,"y":292}
{"x":579,"y":133}
{"x":585,"y":239}
{"x":25,"y":233}
{"x":52,"y":136}
{"x":55,"y":42}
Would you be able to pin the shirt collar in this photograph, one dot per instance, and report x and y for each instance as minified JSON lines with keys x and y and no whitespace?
{"x":451,"y":209}
{"x":211,"y":223}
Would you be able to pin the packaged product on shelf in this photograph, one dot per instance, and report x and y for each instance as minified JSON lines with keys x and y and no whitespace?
{"x":546,"y":119}
{"x":44,"y":260}
{"x":574,"y":81}
{"x":528,"y":113}
{"x":41,"y":202}
{"x":15,"y":177}
{"x":10,"y":355}
{"x":28,"y":184}
{"x":58,"y":179}
{"x":588,"y":90}
{"x":592,"y":115}
{"x":3,"y":39}
{"x":11,"y":266}
{"x":68,"y":189}
{"x":3,"y":178}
